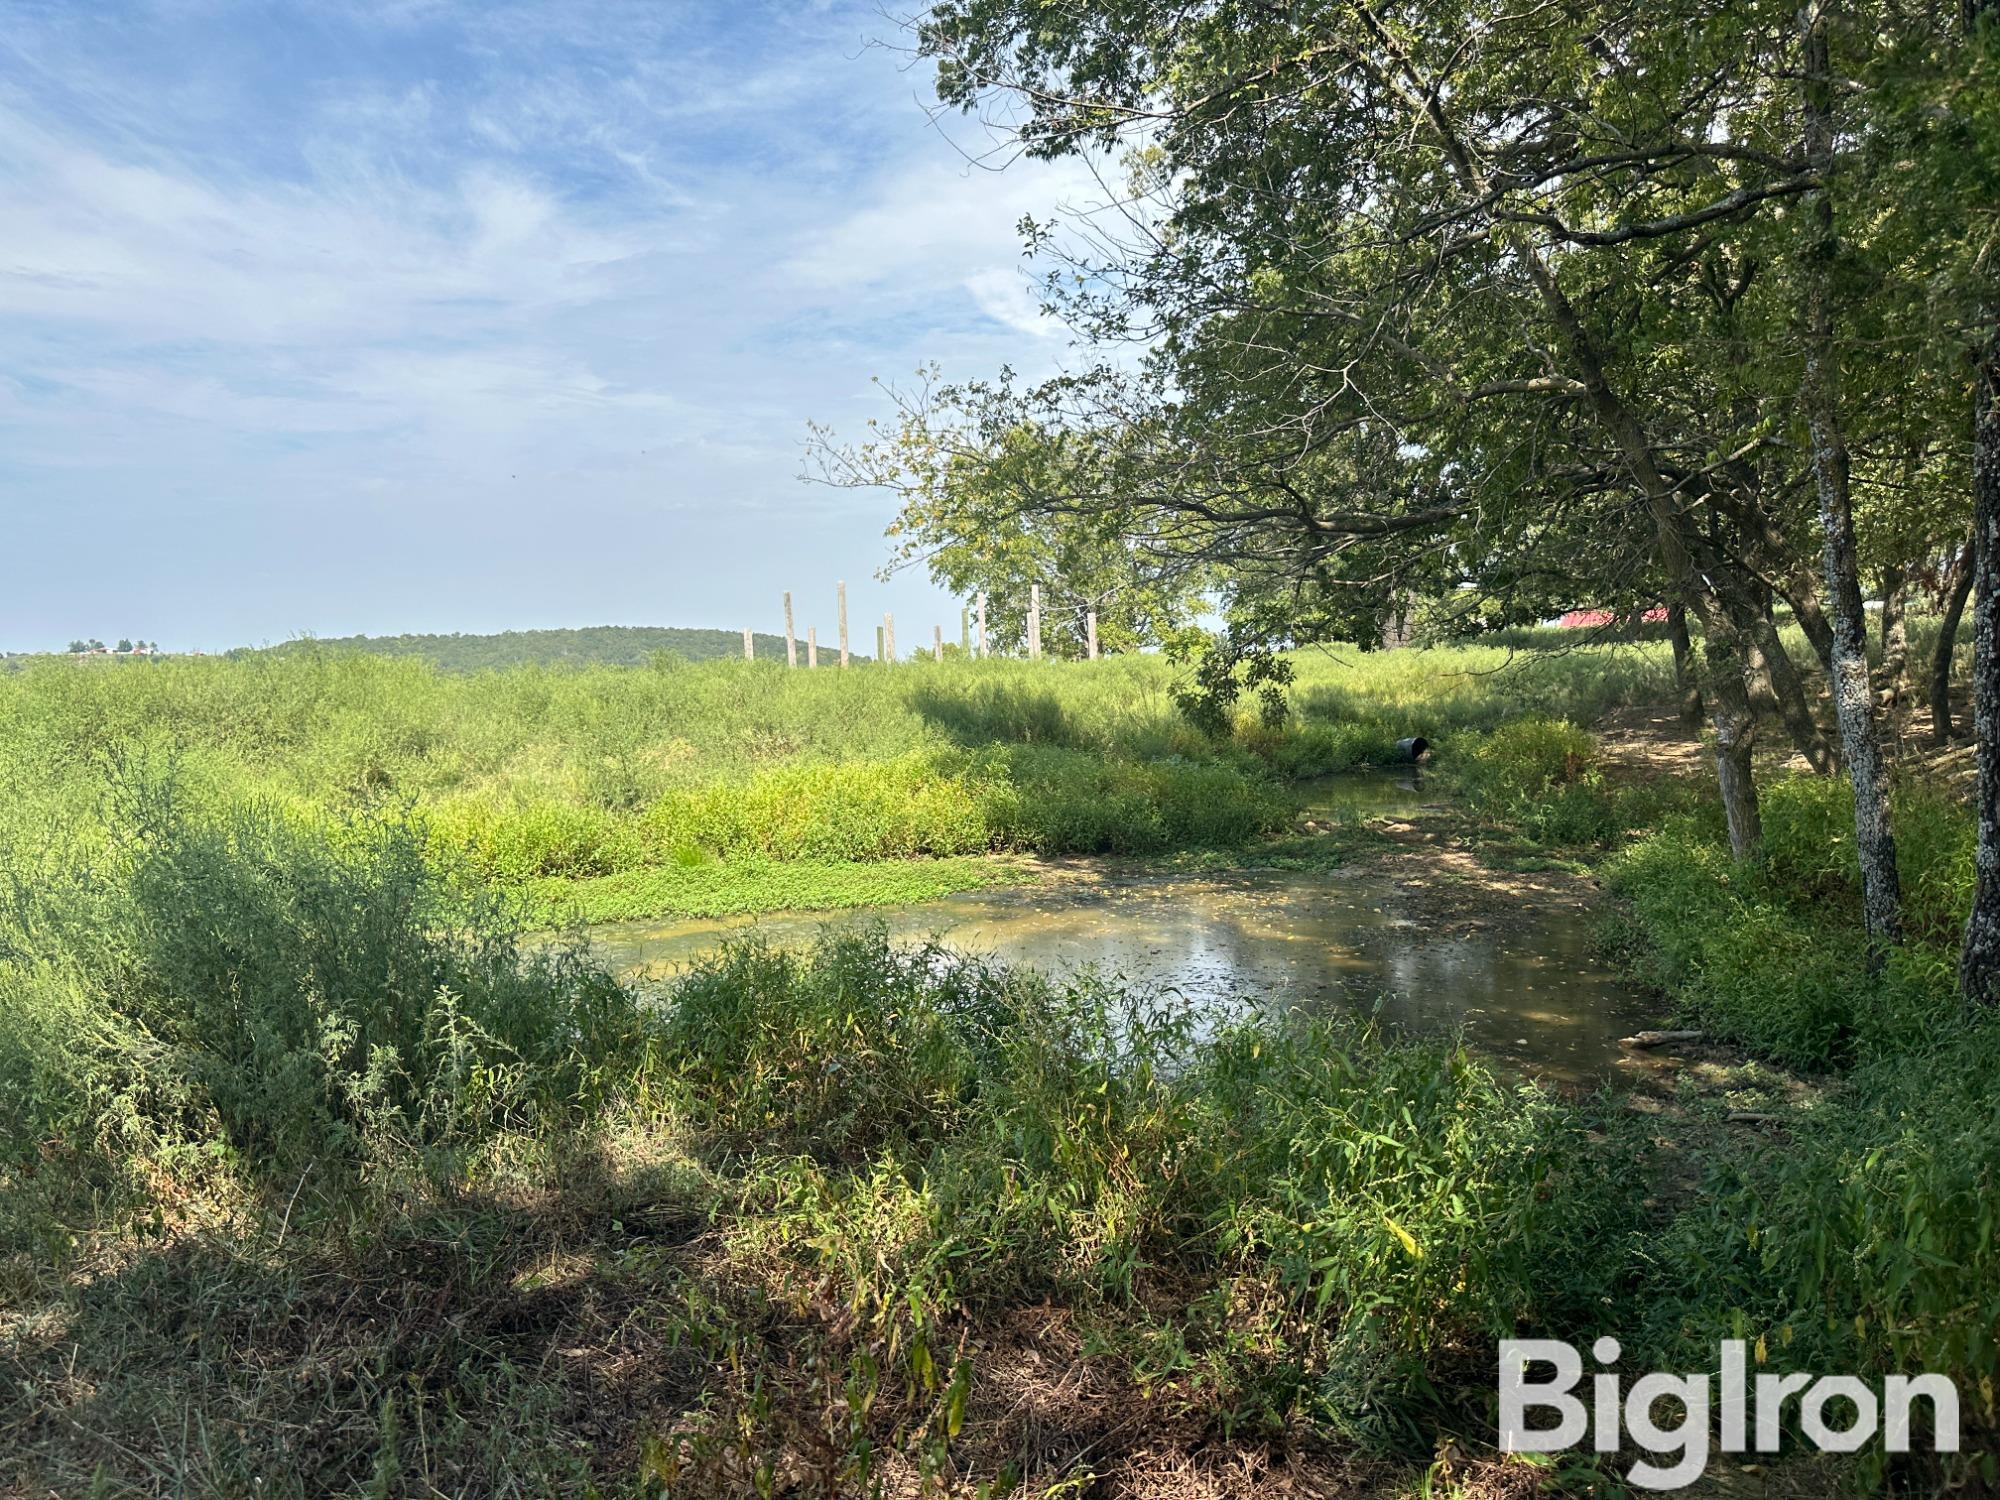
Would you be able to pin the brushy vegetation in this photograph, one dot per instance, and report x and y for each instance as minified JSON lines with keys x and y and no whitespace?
{"x":336,"y":1070}
{"x":315,"y":1181}
{"x":533,"y":775}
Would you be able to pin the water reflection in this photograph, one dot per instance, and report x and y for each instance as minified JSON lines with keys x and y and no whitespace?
{"x":1269,"y":940}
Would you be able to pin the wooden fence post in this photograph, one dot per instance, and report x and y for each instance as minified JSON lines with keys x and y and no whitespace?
{"x":888,"y":637}
{"x":812,"y":646}
{"x":1034,"y":622}
{"x":937,"y":643}
{"x":964,"y":631}
{"x":791,"y":641}
{"x":749,"y":646}
{"x":878,"y":643}
{"x":1090,"y":633}
{"x":842,"y":591}
{"x":982,"y":627}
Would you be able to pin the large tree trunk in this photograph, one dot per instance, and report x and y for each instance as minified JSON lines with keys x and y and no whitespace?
{"x":1771,"y":667}
{"x":1723,"y":653}
{"x":1853,"y":701}
{"x":1684,"y":683}
{"x":1957,"y":589}
{"x":1979,"y":960}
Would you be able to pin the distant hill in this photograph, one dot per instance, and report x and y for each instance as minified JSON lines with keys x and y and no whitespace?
{"x":591,"y":646}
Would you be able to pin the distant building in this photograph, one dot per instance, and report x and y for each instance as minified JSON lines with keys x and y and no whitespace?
{"x":1597,"y":619}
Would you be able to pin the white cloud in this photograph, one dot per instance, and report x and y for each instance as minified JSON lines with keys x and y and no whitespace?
{"x":156,"y":252}
{"x":491,"y":261}
{"x":940,"y":227}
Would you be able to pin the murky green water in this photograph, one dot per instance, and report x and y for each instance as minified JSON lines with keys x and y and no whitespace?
{"x":1272,"y":939}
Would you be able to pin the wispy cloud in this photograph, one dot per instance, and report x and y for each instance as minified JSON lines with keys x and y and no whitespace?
{"x":437,"y":257}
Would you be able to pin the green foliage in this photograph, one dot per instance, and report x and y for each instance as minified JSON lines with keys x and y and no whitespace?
{"x":590,"y":646}
{"x":1772,"y":954}
{"x":1220,"y":669}
{"x":1878,"y":1239}
{"x":713,"y":888}
{"x":640,"y":775}
{"x":241,"y":998}
{"x":970,"y":515}
{"x":1541,"y":779}
{"x":302,"y":992}
{"x":933,"y":1131}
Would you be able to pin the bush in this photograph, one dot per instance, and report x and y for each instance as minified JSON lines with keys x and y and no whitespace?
{"x":915,"y":804}
{"x":1771,"y":953}
{"x":305,"y":994}
{"x":528,"y":841}
{"x":936,"y":1132}
{"x":1880,"y":1229}
{"x":1071,"y":802}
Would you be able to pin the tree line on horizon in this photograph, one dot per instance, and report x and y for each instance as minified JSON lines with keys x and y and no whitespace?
{"x":583,"y":646}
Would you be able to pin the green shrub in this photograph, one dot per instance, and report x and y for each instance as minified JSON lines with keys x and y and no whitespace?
{"x":307,"y":995}
{"x":1864,"y":1241}
{"x":915,"y":804}
{"x":1880,"y":1228}
{"x":1071,"y":802}
{"x":1770,"y":952}
{"x":935,"y":1132}
{"x":527,"y":841}
{"x":1300,"y":750}
{"x":1540,"y":777}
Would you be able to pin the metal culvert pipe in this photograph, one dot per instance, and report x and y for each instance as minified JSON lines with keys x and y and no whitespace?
{"x":1413,"y":749}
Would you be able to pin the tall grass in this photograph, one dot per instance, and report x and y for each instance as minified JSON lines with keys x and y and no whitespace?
{"x":303,"y":1156}
{"x":246,"y":1055}
{"x":530,"y":775}
{"x":286,"y":993}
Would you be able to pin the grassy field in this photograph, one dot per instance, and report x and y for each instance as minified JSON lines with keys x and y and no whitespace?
{"x":683,"y":789}
{"x":315,"y":1181}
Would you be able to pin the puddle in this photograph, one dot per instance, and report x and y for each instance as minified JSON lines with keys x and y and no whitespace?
{"x":1356,"y":796}
{"x":1269,"y":939}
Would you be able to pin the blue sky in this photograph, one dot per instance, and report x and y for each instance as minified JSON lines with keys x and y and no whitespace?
{"x":327,"y":316}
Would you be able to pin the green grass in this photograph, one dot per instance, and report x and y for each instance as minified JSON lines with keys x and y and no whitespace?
{"x":371,"y":1199}
{"x":527,"y":775}
{"x":738,"y":887}
{"x":314,"y":1180}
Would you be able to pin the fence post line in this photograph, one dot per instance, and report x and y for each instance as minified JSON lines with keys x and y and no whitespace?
{"x":791,"y":641}
{"x":982,"y":626}
{"x":842,"y":592}
{"x":812,"y":646}
{"x":749,"y":646}
{"x":1090,"y":633}
{"x":888,"y":637}
{"x":1034,"y":622}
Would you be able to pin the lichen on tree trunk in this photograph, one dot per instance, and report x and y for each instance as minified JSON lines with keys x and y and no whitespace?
{"x":1979,"y":959}
{"x":1853,"y":696}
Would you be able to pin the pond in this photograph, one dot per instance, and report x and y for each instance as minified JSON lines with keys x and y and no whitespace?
{"x":1534,"y":997}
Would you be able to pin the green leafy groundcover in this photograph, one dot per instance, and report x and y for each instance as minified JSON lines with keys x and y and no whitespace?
{"x":724,"y":889}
